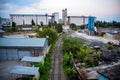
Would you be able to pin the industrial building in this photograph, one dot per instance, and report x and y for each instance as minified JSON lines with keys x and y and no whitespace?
{"x":4,"y":23}
{"x":26,"y":19}
{"x":17,"y":48}
{"x":77,"y":20}
{"x":56,"y":17}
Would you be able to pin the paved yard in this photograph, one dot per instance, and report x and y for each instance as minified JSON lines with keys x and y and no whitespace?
{"x":6,"y":66}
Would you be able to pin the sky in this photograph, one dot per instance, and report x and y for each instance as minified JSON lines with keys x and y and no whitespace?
{"x":104,"y":10}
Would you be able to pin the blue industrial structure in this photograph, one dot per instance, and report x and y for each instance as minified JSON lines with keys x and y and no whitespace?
{"x":91,"y":23}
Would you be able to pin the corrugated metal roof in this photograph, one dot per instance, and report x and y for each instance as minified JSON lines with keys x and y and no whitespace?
{"x":22,"y":42}
{"x":24,"y":70}
{"x":32,"y":59}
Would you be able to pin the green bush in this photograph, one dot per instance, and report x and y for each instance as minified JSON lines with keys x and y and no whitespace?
{"x":68,"y":66}
{"x":110,"y":47}
{"x":71,"y":45}
{"x":80,"y":55}
{"x":89,"y":61}
{"x":70,"y":48}
{"x":84,"y":50}
{"x":73,"y":26}
{"x":98,"y":54}
{"x":35,"y":28}
{"x":44,"y":69}
{"x":41,"y":67}
{"x":82,"y":27}
{"x":58,"y":28}
{"x":71,"y":72}
{"x":66,"y":59}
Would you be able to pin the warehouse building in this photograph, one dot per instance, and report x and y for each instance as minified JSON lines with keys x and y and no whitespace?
{"x":25,"y":19}
{"x":4,"y":23}
{"x":77,"y":20}
{"x":17,"y":48}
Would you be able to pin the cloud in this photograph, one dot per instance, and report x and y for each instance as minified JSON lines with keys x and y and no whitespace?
{"x":31,"y":10}
{"x":96,"y":8}
{"x":9,"y":7}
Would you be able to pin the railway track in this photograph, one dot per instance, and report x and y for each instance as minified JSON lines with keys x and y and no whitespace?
{"x":57,"y":72}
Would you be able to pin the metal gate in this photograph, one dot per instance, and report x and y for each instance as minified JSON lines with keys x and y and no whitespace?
{"x":23,"y":53}
{"x":3,"y":55}
{"x":12,"y":54}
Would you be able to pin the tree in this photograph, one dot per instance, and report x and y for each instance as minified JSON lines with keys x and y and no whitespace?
{"x":49,"y":24}
{"x":82,"y":27}
{"x":55,"y":23}
{"x":48,"y":32}
{"x":58,"y":28}
{"x":73,"y":26}
{"x":41,"y":24}
{"x":33,"y":23}
{"x":114,"y":23}
{"x":107,"y":24}
{"x":14,"y":28}
{"x":13,"y":24}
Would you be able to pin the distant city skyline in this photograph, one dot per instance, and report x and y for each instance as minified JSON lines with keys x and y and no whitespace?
{"x":105,"y":10}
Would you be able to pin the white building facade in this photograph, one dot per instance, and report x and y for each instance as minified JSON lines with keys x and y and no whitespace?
{"x":26,"y":19}
{"x":78,"y":20}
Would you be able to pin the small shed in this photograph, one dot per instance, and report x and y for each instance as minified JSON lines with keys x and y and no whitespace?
{"x":33,"y":59}
{"x":17,"y":48}
{"x":24,"y":70}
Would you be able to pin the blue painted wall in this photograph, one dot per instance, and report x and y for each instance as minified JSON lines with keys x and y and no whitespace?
{"x":91,"y":23}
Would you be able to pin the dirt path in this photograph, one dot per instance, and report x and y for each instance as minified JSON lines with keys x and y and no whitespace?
{"x":57,"y":70}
